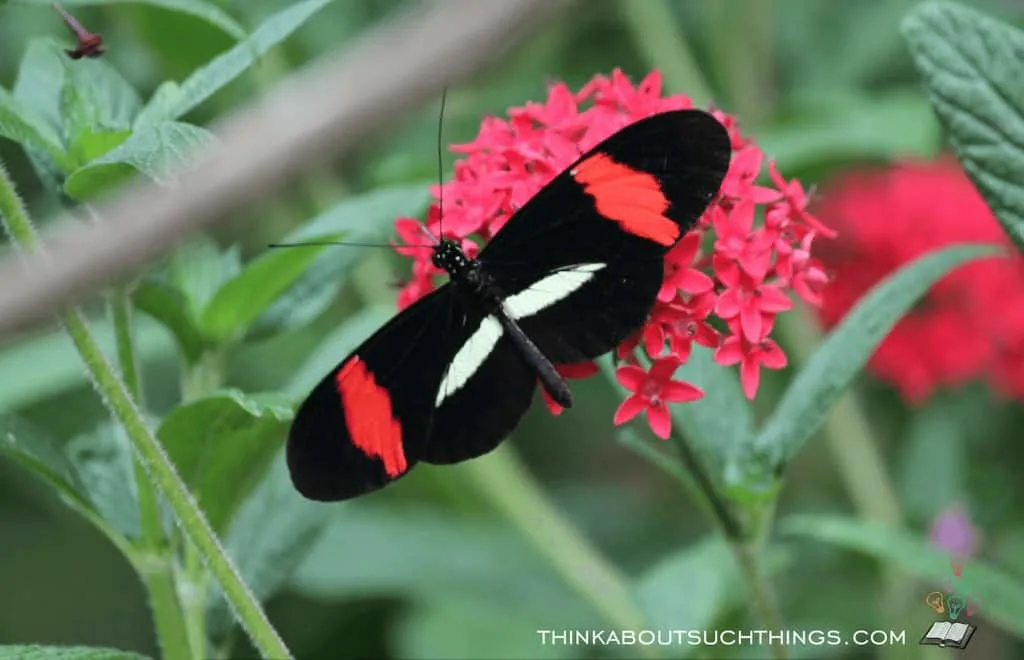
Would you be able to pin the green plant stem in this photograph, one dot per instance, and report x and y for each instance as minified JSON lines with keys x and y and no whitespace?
{"x":656,"y":35}
{"x":506,"y":483}
{"x":745,"y":541}
{"x":856,"y":457}
{"x":158,"y":465}
{"x":153,"y":559}
{"x":198,"y":379}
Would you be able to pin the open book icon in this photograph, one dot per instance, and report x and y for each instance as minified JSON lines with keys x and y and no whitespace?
{"x":949,"y":633}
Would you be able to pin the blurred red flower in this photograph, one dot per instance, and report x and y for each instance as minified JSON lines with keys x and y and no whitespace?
{"x":744,"y":280}
{"x":970,"y":325}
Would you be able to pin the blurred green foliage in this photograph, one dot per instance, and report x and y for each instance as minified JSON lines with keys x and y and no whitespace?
{"x":432,"y":569}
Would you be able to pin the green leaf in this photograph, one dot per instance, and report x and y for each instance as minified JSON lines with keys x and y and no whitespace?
{"x":204,"y":82}
{"x":833,"y":366}
{"x":103,"y":459}
{"x":332,"y":348}
{"x":723,"y":419}
{"x":160,"y":152}
{"x":169,"y":307}
{"x":369,"y":550}
{"x":48,"y":365}
{"x":241,"y":301}
{"x":206,"y":11}
{"x":36,"y":451}
{"x":222,"y":445}
{"x":971,"y":68}
{"x":273,"y":532}
{"x":1001,"y":595}
{"x":35,"y":652}
{"x":199,"y":268}
{"x":21,"y":125}
{"x":40,"y":79}
{"x":95,"y":95}
{"x":849,"y":127}
{"x":667,"y":591}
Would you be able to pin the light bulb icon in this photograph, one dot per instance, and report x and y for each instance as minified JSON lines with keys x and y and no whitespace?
{"x":956,"y":606}
{"x":934,"y":600}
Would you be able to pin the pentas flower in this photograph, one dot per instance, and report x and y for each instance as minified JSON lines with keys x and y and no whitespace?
{"x":970,"y":325}
{"x":953,"y":532}
{"x":725,"y":282}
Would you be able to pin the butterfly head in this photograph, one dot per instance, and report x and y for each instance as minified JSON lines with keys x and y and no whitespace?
{"x":448,"y":255}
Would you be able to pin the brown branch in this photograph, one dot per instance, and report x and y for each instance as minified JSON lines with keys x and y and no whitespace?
{"x":319,"y":112}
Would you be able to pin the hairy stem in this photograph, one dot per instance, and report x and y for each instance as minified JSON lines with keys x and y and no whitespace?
{"x":154,"y":560}
{"x":147,"y":448}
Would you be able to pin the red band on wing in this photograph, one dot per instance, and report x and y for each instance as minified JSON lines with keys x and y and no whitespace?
{"x":631,"y":198}
{"x":371,"y":423}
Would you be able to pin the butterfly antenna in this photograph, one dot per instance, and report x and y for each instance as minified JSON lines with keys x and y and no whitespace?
{"x":440,"y":162}
{"x":348,"y":243}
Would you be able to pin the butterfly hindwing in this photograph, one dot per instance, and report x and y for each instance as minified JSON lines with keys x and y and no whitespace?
{"x":366,"y":423}
{"x":474,"y":418}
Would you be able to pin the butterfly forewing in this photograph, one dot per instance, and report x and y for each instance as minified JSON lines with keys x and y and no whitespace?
{"x":623,"y":204}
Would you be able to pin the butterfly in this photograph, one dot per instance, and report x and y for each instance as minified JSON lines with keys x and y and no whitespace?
{"x":573,"y":273}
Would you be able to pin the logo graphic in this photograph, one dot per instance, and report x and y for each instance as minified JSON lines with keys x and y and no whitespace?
{"x":950,"y":633}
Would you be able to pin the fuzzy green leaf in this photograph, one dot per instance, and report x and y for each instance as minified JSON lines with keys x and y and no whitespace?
{"x":970,"y":64}
{"x":36,"y":652}
{"x":35,"y":450}
{"x":160,"y":152}
{"x":103,"y":459}
{"x":222,"y":445}
{"x":20,"y":124}
{"x":169,"y":307}
{"x":173,"y":102}
{"x":833,"y":366}
{"x":1000,"y":595}
{"x":275,"y":283}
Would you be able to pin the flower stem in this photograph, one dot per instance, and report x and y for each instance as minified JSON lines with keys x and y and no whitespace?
{"x":745,"y":540}
{"x":655,"y":34}
{"x":155,"y":561}
{"x":147,"y":448}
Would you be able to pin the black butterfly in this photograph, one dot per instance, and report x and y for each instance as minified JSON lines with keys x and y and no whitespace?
{"x":572,"y":274}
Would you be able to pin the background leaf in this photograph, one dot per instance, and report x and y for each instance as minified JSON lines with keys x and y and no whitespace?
{"x":206,"y":81}
{"x":971,"y":68}
{"x":1001,"y":595}
{"x":103,"y":460}
{"x":222,"y":444}
{"x":18,"y":123}
{"x":34,"y":652}
{"x":277,"y":288}
{"x":835,"y":363}
{"x":160,"y":152}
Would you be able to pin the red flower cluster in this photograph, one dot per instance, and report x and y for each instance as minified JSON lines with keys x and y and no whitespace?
{"x":742,"y":281}
{"x":971,"y":323}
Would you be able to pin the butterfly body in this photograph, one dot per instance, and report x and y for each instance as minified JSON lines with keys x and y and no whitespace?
{"x":571,"y":275}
